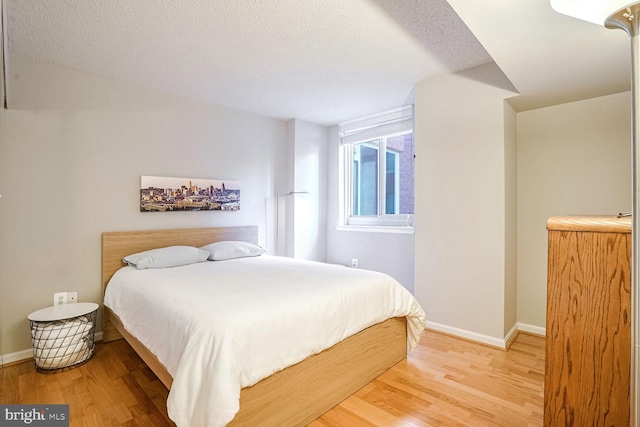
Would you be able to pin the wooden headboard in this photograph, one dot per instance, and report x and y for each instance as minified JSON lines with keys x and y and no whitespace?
{"x":118,"y":244}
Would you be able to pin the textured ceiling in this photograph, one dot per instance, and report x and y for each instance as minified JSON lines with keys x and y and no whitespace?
{"x":320,"y":61}
{"x":550,"y":58}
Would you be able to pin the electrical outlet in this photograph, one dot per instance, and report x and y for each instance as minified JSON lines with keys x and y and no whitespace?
{"x":354,"y":262}
{"x":72,"y":297}
{"x":59,"y":298}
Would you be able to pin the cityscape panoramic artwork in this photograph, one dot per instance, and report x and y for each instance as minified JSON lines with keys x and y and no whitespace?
{"x":161,"y":194}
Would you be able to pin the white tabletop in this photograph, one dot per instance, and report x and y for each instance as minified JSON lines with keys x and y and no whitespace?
{"x":63,"y":311}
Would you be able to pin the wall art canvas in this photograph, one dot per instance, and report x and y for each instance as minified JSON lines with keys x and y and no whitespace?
{"x":163,"y":194}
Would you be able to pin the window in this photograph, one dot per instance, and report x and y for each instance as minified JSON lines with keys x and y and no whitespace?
{"x":377,"y":178}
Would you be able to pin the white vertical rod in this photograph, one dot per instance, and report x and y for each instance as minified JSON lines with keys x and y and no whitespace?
{"x":635,"y":200}
{"x":5,"y":54}
{"x":627,"y":19}
{"x":635,"y":269}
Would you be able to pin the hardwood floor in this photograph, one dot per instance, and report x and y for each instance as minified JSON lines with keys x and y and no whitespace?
{"x":452,"y":382}
{"x":115,"y":388}
{"x":445,"y":382}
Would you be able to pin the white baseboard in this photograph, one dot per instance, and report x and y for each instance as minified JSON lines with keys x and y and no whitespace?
{"x":510,"y":337}
{"x":532,"y":329}
{"x":18,"y":356}
{"x":501,"y":343}
{"x":439,"y":327}
{"x":22,"y":355}
{"x":463,"y":333}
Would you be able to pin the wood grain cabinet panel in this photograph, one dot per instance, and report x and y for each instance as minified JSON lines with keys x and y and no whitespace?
{"x":588,"y":345}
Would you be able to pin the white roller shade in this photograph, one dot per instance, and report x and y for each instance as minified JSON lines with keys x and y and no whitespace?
{"x":394,"y":122}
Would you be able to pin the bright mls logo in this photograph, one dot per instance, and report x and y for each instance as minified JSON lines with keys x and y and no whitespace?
{"x":35,"y":415}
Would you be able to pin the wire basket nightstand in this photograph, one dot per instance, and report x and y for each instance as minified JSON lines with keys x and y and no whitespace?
{"x":63,"y":336}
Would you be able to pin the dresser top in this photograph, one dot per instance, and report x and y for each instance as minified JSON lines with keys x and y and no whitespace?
{"x":593,"y":223}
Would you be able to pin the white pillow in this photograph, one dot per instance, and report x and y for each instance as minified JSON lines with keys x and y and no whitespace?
{"x":171,"y":256}
{"x":230,"y":249}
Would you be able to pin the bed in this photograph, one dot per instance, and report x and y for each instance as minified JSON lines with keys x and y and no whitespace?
{"x":294,"y":395}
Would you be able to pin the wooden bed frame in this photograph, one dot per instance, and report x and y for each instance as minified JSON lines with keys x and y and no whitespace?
{"x":294,"y":396}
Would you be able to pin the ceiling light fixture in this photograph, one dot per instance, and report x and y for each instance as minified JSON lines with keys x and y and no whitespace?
{"x":595,"y":11}
{"x":624,"y":15}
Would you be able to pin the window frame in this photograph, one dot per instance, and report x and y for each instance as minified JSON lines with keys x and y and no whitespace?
{"x":381,"y":222}
{"x":351,"y":173}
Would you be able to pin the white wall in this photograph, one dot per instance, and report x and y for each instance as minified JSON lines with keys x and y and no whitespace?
{"x":481,"y":241}
{"x":511,"y":219}
{"x":310,"y":176}
{"x":72,"y":154}
{"x":302,"y":202}
{"x":572,"y":159}
{"x":462,"y":203}
{"x":70,"y":163}
{"x":388,"y":253}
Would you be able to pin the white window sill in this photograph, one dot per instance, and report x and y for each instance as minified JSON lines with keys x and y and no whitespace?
{"x":376,"y":229}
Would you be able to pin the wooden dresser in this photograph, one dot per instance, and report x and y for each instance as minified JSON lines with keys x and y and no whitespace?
{"x":588,"y":345}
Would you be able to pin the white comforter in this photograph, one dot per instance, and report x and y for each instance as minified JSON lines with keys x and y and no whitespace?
{"x":219,"y":326}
